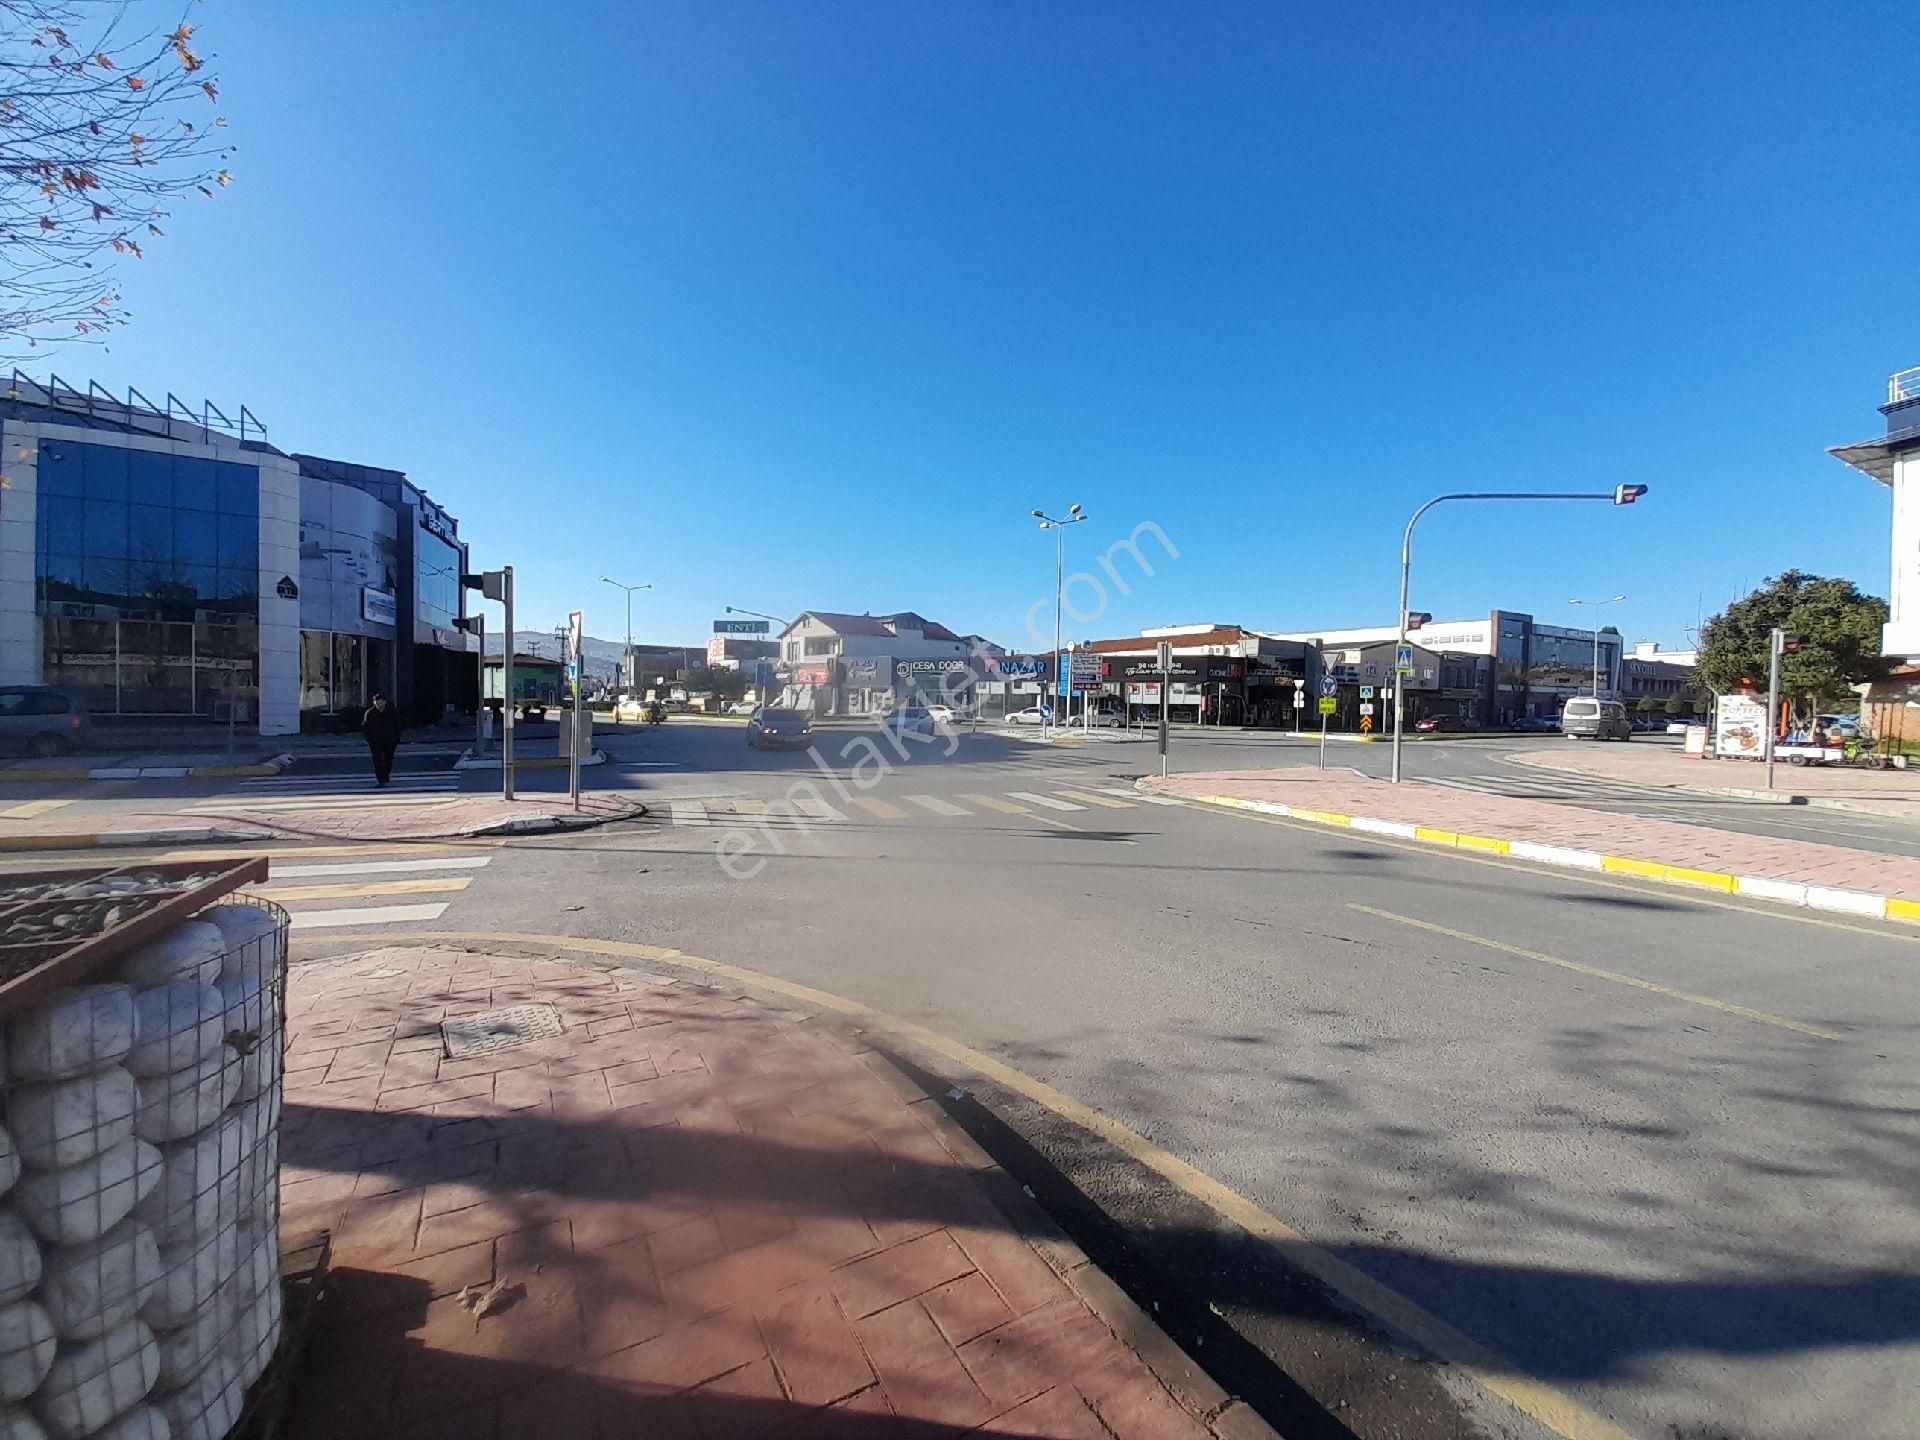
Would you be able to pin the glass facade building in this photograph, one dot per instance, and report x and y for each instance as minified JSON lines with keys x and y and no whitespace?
{"x":147,"y":579}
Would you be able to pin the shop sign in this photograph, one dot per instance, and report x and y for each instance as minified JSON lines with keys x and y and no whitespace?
{"x":813,"y":675}
{"x":861,"y":672}
{"x":286,"y":589}
{"x":1018,"y":667}
{"x":380,"y":606}
{"x":1740,"y":727}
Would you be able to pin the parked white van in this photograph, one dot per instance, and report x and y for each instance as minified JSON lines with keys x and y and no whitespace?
{"x":1586,"y":718}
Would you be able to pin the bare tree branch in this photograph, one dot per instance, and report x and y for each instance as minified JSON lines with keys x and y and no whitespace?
{"x":102,"y":125}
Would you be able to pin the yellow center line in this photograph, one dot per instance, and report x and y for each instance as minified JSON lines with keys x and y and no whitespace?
{"x":425,"y":886}
{"x":1085,"y":799}
{"x":1557,"y":1411}
{"x":1758,"y":1016}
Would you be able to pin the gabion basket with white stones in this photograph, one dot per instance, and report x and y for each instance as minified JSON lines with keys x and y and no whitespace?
{"x":139,"y":1187}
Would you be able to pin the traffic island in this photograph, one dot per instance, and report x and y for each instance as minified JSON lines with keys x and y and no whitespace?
{"x":572,"y":1199}
{"x":1790,"y":872}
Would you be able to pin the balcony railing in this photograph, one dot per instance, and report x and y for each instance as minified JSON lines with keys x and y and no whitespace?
{"x":1904,"y":386}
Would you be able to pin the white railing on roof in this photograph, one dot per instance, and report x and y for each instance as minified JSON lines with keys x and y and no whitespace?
{"x":1904,"y":386}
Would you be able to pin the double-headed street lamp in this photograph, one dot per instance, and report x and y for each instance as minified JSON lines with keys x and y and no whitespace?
{"x":1610,"y":600}
{"x":784,"y":625}
{"x":607,"y":580}
{"x":1619,"y":495}
{"x":1074,"y":516}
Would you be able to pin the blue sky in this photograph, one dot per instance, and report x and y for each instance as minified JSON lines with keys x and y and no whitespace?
{"x":796,"y":305}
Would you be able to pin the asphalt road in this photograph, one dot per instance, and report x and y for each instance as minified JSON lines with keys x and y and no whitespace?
{"x":1657,"y":1152}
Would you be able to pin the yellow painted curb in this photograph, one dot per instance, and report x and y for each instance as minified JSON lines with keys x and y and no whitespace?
{"x":1645,"y":869}
{"x":1483,"y":842}
{"x":1903,"y":910}
{"x":1323,"y":817}
{"x":1436,"y":837}
{"x":1706,"y":879}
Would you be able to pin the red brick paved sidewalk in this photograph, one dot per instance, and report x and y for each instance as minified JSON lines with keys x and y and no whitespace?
{"x":1891,"y":793}
{"x":1663,"y":842}
{"x":707,"y":1218}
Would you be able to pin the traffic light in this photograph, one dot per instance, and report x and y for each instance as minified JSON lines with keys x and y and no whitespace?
{"x":492,"y":584}
{"x":472,"y":624}
{"x":1417,"y":618}
{"x":1627,"y":494}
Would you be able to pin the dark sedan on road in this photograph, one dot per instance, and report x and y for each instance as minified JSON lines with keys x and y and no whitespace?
{"x":770,"y":729}
{"x":1442,"y":724}
{"x":1535,"y":725}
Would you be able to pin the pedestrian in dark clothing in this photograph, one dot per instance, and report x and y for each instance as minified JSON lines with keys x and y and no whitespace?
{"x":382,"y":729}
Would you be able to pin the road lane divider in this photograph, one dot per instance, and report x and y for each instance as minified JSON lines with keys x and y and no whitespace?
{"x":1759,"y":1017}
{"x":1749,"y":887}
{"x":1559,"y":1412}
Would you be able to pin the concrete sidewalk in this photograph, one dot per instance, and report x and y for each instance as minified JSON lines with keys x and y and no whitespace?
{"x":1892,"y":794}
{"x":216,"y":823}
{"x":686,"y":1214}
{"x":1829,"y":877}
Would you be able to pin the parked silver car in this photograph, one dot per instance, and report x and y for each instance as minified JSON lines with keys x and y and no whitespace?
{"x":1586,"y":718}
{"x":41,"y":720}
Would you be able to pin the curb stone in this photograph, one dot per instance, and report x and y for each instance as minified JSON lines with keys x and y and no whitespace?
{"x":1740,"y":792}
{"x":1750,"y":887}
{"x":120,"y":839}
{"x":55,"y":774}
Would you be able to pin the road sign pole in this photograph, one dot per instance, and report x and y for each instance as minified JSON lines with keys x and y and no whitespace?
{"x":1165,"y":656}
{"x":1775,"y":643}
{"x":506,"y":688}
{"x":1323,"y":740}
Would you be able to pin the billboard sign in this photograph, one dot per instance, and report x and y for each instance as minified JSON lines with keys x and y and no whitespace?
{"x":741,"y":627}
{"x":1740,"y":728}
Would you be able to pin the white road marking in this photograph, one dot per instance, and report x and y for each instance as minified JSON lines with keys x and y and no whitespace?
{"x":31,"y":808}
{"x":382,"y":867}
{"x":369,"y":915}
{"x":689,"y":812}
{"x":244,"y":802}
{"x":1142,"y":795}
{"x":1045,"y":800}
{"x":816,"y":809}
{"x":936,"y":805}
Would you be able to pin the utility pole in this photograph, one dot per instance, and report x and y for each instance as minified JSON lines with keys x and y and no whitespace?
{"x":1165,"y":655}
{"x":631,"y":677}
{"x":1619,"y":495}
{"x":1778,"y":643}
{"x":1047,"y":522}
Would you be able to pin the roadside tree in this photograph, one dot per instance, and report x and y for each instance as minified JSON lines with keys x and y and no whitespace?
{"x":1837,"y":626}
{"x":104,"y":122}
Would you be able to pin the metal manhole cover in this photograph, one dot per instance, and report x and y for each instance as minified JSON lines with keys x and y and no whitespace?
{"x":493,"y":1030}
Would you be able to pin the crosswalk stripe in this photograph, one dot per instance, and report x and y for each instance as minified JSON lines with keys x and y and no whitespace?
{"x":382,"y":867}
{"x":1144,"y":796}
{"x":1082,"y":795}
{"x":348,"y":782}
{"x":689,"y":812}
{"x":879,"y":807}
{"x":1044,"y":800}
{"x":936,"y":805}
{"x":815,"y":808}
{"x":994,"y":803}
{"x":31,"y":808}
{"x":368,"y":915}
{"x":425,"y":885}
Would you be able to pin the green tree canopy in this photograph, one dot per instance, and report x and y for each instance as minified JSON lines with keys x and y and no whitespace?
{"x":726,"y":683}
{"x":1838,"y":628}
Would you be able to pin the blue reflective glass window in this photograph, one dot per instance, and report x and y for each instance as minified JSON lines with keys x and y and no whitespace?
{"x":150,"y":533}
{"x":105,"y":534}
{"x":148,"y":577}
{"x":195,"y":537}
{"x":104,"y":470}
{"x":107,"y":575}
{"x":196,"y":582}
{"x":59,"y":524}
{"x":62,"y":577}
{"x":58,"y":471}
{"x":239,"y":583}
{"x":193,"y":484}
{"x":239,"y":541}
{"x":150,"y":477}
{"x":238,"y":488}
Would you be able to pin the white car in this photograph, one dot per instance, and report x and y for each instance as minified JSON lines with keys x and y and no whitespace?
{"x":1679,"y":727}
{"x":943,"y":714}
{"x":630,"y":708}
{"x":742,"y":707}
{"x":1032,"y":715}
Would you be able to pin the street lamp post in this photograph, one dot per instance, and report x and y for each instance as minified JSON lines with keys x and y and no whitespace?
{"x":1610,"y":600}
{"x":774,"y":619}
{"x":605,"y":580}
{"x":1619,"y":495}
{"x":1063,"y":691}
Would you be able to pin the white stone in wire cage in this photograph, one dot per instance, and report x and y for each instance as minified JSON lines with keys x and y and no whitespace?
{"x":90,"y":1385}
{"x":186,"y":1101}
{"x":9,"y":1162}
{"x":27,"y":1348}
{"x":62,"y":1122}
{"x":189,"y":951}
{"x":254,"y":940}
{"x":79,"y":1030}
{"x":191,"y":1274}
{"x":143,"y":1422}
{"x":18,"y":1424}
{"x":174,"y":1026}
{"x":20,"y":1265}
{"x":207,"y":1408}
{"x":100,"y":1285}
{"x":84,"y":1201}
